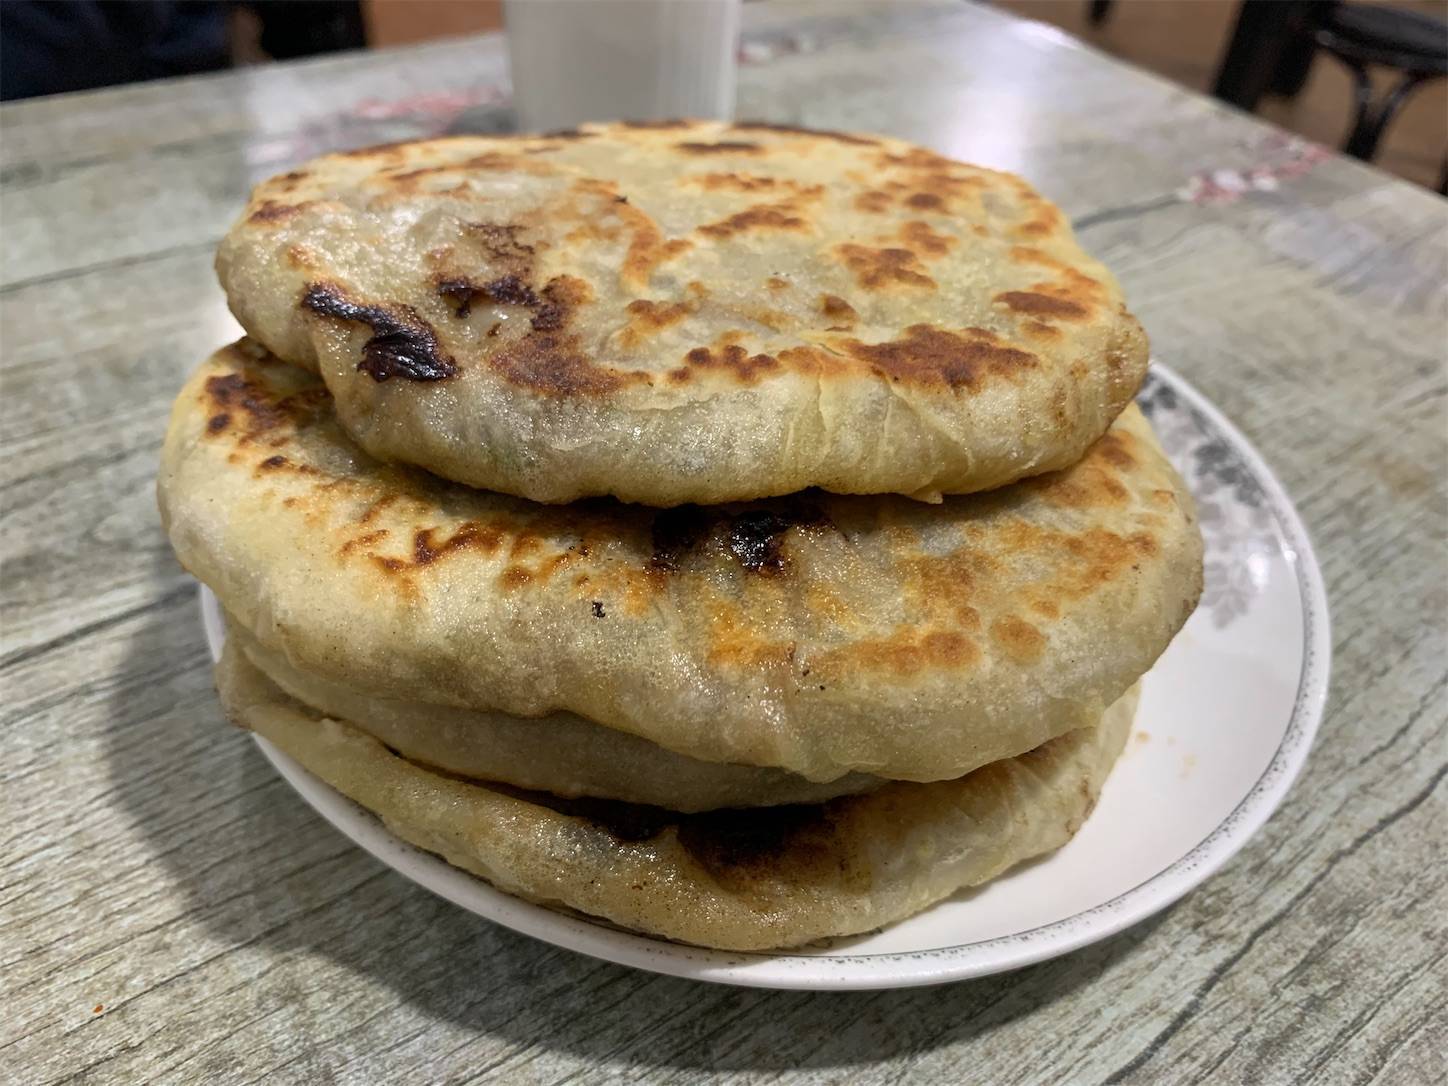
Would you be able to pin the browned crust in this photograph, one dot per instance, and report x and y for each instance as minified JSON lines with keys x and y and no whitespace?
{"x":918,"y":195}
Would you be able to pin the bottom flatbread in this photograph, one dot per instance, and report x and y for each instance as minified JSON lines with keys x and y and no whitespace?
{"x":734,"y":879}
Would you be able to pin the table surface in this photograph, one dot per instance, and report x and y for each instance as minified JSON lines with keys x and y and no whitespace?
{"x":173,"y":912}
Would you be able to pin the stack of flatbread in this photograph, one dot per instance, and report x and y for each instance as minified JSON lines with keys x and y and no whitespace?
{"x":742,"y":534}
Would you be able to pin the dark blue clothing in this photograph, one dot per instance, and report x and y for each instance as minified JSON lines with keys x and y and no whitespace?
{"x":47,"y":48}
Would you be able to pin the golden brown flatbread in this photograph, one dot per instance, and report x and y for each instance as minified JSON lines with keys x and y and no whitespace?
{"x":559,"y":753}
{"x":737,"y":880}
{"x":691,"y":312}
{"x":819,"y":634}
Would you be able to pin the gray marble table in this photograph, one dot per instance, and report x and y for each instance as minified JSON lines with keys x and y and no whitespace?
{"x":170,"y":911}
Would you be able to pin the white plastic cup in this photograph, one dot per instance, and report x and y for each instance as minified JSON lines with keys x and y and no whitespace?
{"x":604,"y":60}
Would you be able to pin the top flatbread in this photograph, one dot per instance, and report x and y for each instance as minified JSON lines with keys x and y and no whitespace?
{"x":688,"y":312}
{"x":818,"y":633}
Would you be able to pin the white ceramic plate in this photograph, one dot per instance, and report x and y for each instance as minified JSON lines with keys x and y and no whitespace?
{"x":1226,"y":719}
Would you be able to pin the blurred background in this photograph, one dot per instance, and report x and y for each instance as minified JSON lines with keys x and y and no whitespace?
{"x":1367,"y":77}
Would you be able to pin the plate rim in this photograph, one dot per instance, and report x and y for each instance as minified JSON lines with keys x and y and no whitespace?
{"x":938,"y":965}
